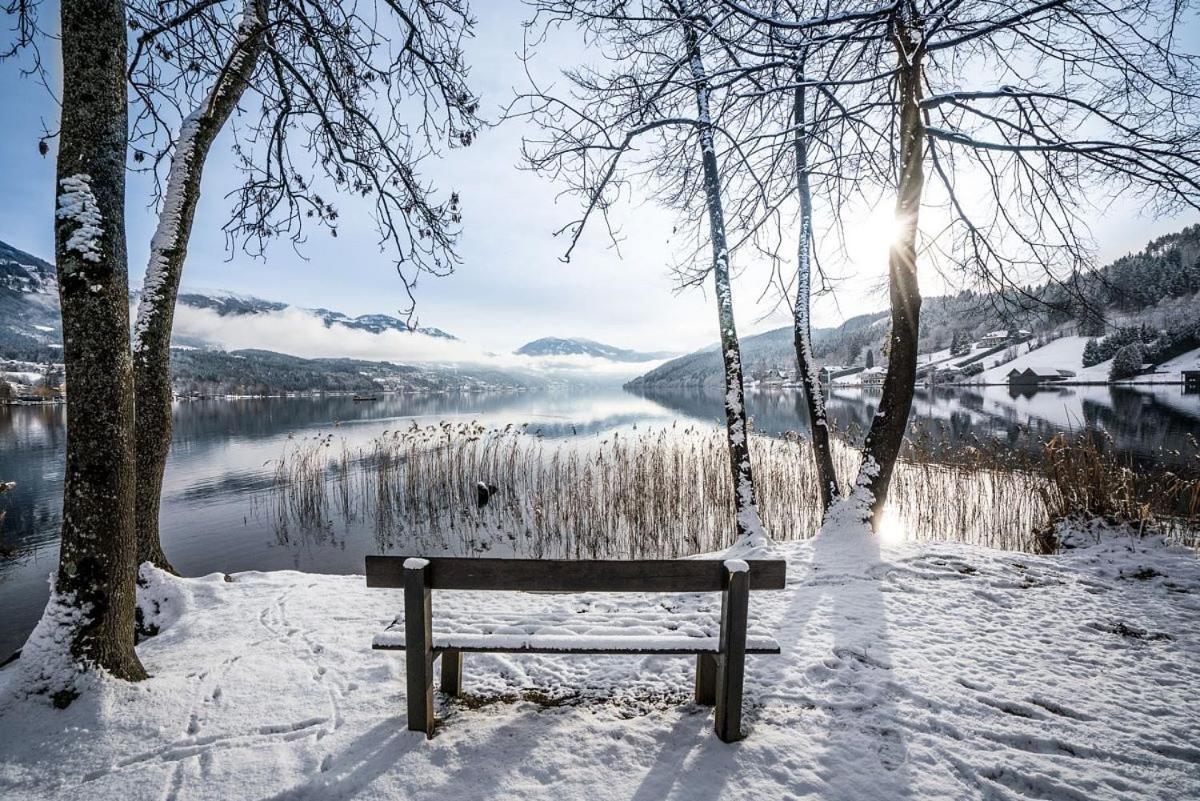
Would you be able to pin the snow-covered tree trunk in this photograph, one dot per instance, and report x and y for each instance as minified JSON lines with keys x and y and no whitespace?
{"x":750,"y":532}
{"x":88,"y":623}
{"x":168,"y":250}
{"x":802,"y":321}
{"x":886,"y":434}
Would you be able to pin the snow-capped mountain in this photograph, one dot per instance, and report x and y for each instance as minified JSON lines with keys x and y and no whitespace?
{"x":556,"y":346}
{"x":226,"y":303}
{"x":21,"y":272}
{"x":31,"y":328}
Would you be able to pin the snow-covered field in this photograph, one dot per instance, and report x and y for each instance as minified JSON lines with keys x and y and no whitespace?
{"x":1066,"y":353}
{"x":908,"y":671}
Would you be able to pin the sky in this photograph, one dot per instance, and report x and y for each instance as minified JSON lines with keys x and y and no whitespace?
{"x":512,"y":285}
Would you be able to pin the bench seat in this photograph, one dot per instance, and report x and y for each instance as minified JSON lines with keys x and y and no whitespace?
{"x":674,"y":629}
{"x":565,"y":642}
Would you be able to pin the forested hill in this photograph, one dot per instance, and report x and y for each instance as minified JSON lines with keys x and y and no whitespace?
{"x":773,"y":349}
{"x":259,"y":372}
{"x":1158,"y":286}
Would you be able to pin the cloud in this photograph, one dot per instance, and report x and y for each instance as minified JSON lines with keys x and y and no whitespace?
{"x":298,"y":332}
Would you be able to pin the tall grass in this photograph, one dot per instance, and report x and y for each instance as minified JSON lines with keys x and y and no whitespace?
{"x":1087,"y":479}
{"x":665,"y":492}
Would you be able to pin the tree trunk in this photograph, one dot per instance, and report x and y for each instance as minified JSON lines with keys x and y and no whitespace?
{"x":168,"y":251}
{"x":814,"y":400}
{"x":93,"y":599}
{"x":886,"y":435}
{"x":750,"y":530}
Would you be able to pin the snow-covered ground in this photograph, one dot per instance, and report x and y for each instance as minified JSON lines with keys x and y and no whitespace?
{"x":908,"y":671}
{"x":1064,"y":353}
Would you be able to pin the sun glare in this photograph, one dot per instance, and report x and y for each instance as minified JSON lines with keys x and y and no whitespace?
{"x":890,"y":529}
{"x":883,"y":226}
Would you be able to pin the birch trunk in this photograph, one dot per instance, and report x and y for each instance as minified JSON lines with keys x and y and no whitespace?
{"x":886,"y":434}
{"x":168,"y":251}
{"x":750,"y":530}
{"x":814,"y":400}
{"x":91,"y":610}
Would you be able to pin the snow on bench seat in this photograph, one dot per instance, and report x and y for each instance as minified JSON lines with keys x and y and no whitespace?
{"x":661,"y":631}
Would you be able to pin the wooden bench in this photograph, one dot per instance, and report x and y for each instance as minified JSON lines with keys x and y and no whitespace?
{"x":720,"y":655}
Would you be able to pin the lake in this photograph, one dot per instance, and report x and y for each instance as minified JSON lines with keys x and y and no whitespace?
{"x":219,"y":465}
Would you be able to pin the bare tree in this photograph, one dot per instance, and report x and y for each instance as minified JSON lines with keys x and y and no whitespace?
{"x":367,"y":103}
{"x":323,"y":72}
{"x":91,"y":608}
{"x":1080,"y":101}
{"x":658,"y":95}
{"x":168,"y":250}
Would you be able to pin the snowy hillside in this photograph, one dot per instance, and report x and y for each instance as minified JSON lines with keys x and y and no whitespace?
{"x":30,"y":328}
{"x":1066,"y":353}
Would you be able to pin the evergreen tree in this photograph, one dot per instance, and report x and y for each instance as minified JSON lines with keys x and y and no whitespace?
{"x":1127,"y":363}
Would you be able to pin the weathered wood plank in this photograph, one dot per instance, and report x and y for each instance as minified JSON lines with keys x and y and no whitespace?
{"x":566,"y":575}
{"x":452,"y":672}
{"x":418,"y":634}
{"x":731,"y":670}
{"x":706,"y":679}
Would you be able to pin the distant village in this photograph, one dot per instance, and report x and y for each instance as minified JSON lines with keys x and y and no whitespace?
{"x":1053,"y":358}
{"x":30,"y":382}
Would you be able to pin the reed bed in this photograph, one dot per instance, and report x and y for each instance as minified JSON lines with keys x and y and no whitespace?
{"x":666,"y":492}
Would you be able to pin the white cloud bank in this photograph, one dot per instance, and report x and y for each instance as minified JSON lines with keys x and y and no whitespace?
{"x":298,"y":332}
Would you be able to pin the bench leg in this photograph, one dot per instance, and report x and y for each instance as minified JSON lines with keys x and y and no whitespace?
{"x":731,"y":669}
{"x":706,"y":679}
{"x":418,"y":648}
{"x":452,"y":673}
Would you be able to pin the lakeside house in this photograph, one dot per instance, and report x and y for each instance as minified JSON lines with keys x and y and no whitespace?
{"x":873,"y":377}
{"x":994,"y":338}
{"x":830,"y":372}
{"x":1029,"y":376}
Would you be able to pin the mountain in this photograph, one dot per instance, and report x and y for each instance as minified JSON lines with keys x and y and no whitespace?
{"x":31,"y":332}
{"x":262,"y":372}
{"x":29,"y":308}
{"x":555,"y":346}
{"x":227,"y":304}
{"x":1157,"y":288}
{"x":769,"y":350}
{"x":30,"y":328}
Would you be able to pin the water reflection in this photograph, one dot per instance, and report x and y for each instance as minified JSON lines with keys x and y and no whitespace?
{"x":222,"y":452}
{"x":1147,"y":424}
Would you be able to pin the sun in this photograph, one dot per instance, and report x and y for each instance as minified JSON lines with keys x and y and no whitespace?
{"x":884,"y":226}
{"x":890,"y":529}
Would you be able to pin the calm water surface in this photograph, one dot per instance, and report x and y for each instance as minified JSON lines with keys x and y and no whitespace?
{"x":219,"y":459}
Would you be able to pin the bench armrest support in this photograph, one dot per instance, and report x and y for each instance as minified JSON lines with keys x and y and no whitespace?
{"x":731,"y":671}
{"x":418,"y":639}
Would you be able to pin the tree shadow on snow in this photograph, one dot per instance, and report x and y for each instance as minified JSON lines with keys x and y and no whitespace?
{"x":863,"y":751}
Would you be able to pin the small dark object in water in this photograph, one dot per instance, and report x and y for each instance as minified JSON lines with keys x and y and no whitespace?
{"x":484,"y":493}
{"x":362,"y":398}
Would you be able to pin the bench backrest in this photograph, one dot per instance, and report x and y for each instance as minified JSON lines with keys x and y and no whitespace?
{"x":572,"y":575}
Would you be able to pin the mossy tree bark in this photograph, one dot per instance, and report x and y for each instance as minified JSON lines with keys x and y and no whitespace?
{"x":97,"y":566}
